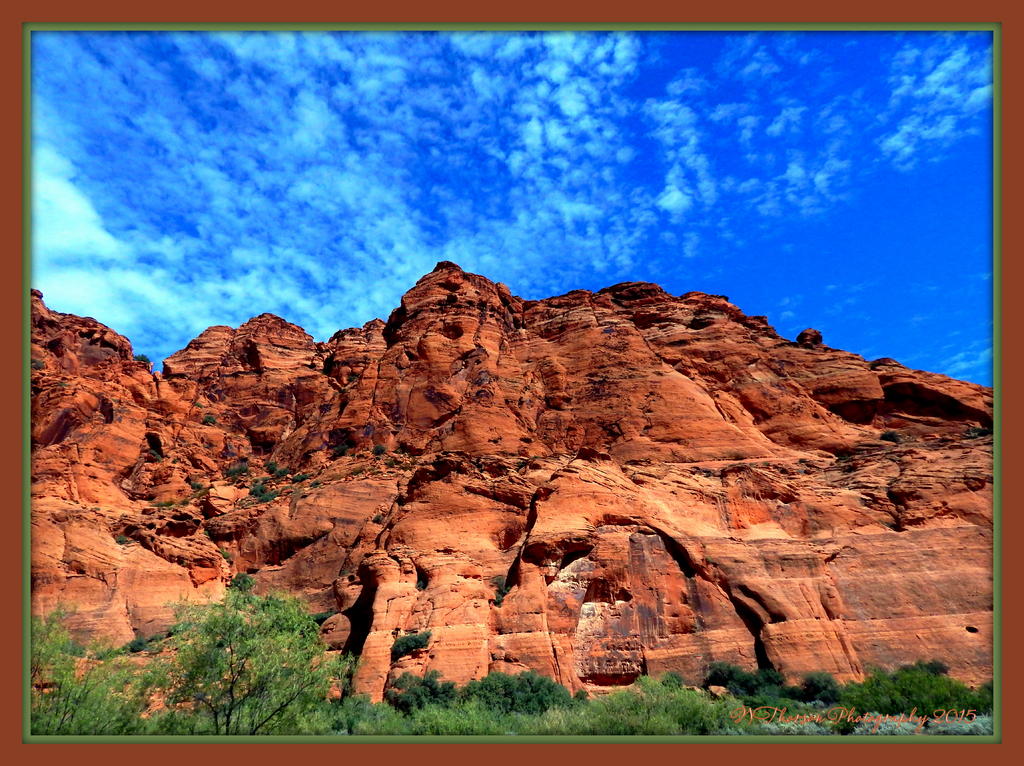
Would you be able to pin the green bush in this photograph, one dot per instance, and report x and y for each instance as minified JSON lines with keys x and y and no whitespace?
{"x":136,"y":645}
{"x":242,"y":582}
{"x":411,"y":692}
{"x":527,"y":692}
{"x":122,"y":540}
{"x":379,"y":449}
{"x":820,"y":687}
{"x":891,"y":436}
{"x":976,"y":432}
{"x":143,"y":358}
{"x":501,"y":589}
{"x":240,"y":468}
{"x":321,"y":617}
{"x":261,"y":494}
{"x":914,"y":686}
{"x":409,"y":643}
{"x":38,"y":364}
{"x":300,"y":477}
{"x":100,"y":696}
{"x":276,"y":471}
{"x":209,"y":420}
{"x":226,"y":554}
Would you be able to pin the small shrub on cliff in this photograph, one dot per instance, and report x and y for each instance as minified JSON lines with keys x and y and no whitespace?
{"x":209,"y":420}
{"x":122,"y":540}
{"x":143,"y":358}
{"x":238,"y":469}
{"x":136,"y":645}
{"x":501,"y":589}
{"x":226,"y":554}
{"x":409,"y":643}
{"x":38,"y":364}
{"x":976,"y":432}
{"x":261,"y":494}
{"x":379,"y":449}
{"x":300,"y":477}
{"x":891,"y":436}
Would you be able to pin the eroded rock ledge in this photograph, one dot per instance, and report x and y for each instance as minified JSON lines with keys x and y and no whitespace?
{"x":595,"y":486}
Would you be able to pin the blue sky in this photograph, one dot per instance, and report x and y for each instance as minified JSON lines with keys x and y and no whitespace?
{"x":832,"y":180}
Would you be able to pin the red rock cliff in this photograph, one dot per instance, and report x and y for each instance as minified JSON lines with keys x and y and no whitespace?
{"x":595,"y":486}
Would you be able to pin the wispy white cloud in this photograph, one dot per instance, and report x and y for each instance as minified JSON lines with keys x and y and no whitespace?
{"x":188,"y":179}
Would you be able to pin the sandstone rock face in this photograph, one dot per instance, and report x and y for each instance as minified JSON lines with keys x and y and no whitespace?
{"x":595,"y":486}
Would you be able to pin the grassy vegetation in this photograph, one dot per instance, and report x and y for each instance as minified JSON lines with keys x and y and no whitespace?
{"x":256,"y":665}
{"x":261,"y":493}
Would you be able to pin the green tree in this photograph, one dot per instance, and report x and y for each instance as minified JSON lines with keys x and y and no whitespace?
{"x":250,"y":665}
{"x":74,"y":691}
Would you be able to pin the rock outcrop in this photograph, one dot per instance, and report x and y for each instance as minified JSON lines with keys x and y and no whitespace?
{"x":596,"y":486}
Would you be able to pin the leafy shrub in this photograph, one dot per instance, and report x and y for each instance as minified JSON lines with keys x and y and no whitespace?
{"x":240,"y":468}
{"x":226,"y":554}
{"x":122,"y":540}
{"x":340,"y":450}
{"x":136,"y":645}
{"x":501,"y":589}
{"x":261,"y":494}
{"x":672,"y":681}
{"x":409,"y":643}
{"x":379,"y":449}
{"x":914,"y":686}
{"x":143,"y":358}
{"x":377,"y":518}
{"x":38,"y":364}
{"x":820,"y":687}
{"x":276,"y":471}
{"x":321,"y":617}
{"x":891,"y":436}
{"x":352,"y":377}
{"x":976,"y":432}
{"x":209,"y":420}
{"x":314,"y":484}
{"x":300,"y":477}
{"x":197,"y":485}
{"x":242,"y":582}
{"x":741,"y":682}
{"x":411,"y":692}
{"x":527,"y":692}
